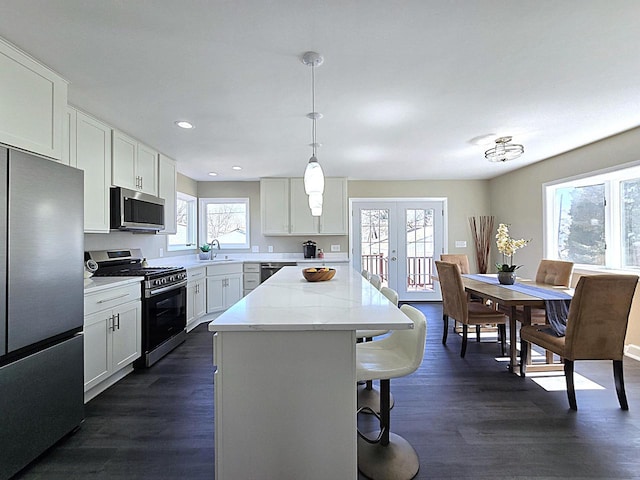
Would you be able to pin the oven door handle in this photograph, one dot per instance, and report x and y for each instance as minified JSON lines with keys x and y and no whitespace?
{"x":157,"y":291}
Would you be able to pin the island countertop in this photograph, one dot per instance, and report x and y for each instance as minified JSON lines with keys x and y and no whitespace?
{"x":286,"y":301}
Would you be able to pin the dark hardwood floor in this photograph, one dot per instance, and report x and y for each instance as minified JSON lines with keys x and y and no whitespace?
{"x":467,"y":418}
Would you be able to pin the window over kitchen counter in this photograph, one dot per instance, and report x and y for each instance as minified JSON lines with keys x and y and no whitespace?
{"x":186,"y":224}
{"x":225,"y":219}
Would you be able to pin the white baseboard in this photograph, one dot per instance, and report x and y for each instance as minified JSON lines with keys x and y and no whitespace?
{"x":632,"y":351}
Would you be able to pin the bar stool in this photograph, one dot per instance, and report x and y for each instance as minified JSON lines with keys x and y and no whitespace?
{"x":389,"y":456}
{"x":376,"y":281}
{"x":368,"y":396}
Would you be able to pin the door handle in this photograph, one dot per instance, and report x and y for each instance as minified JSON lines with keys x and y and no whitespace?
{"x":393,"y":259}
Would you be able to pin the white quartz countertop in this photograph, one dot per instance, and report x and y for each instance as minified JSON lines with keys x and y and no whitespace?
{"x":286,"y":302}
{"x":95,"y":284}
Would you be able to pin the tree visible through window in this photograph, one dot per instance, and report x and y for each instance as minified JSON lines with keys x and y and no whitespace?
{"x":225,"y":220}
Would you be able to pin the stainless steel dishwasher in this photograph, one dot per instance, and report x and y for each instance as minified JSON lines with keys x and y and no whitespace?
{"x":270,"y":268}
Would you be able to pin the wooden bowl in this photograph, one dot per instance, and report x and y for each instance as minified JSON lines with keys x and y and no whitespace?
{"x":318,"y":274}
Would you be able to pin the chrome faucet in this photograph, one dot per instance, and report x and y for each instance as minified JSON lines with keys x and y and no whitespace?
{"x":215,"y":243}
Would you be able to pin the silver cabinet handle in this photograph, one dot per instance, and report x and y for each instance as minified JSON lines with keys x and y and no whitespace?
{"x":112,"y":323}
{"x":118,"y":317}
{"x":105,"y":300}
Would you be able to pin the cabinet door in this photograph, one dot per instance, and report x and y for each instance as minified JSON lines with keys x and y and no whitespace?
{"x":123,"y":166}
{"x":33,"y":103}
{"x":147,"y":169}
{"x":199,"y":304}
{"x":93,"y":155}
{"x":232,"y":290}
{"x":215,"y":294}
{"x":167,"y":189}
{"x":69,"y":137}
{"x":274,"y":206}
{"x":127,"y":334}
{"x":97,"y":348}
{"x":302,"y":222}
{"x":192,"y":291}
{"x":334,"y":220}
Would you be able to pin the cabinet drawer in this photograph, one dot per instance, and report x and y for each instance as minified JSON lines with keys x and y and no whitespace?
{"x":251,"y":280}
{"x":251,"y":268}
{"x":224,"y":269}
{"x":195,"y":274}
{"x":110,"y":298}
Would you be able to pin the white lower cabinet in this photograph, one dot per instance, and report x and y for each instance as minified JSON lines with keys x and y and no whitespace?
{"x":251,"y":277}
{"x":196,"y":296}
{"x":112,"y":336}
{"x":224,"y":286}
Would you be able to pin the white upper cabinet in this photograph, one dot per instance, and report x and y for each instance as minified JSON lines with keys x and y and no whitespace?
{"x":134,"y":165}
{"x":33,"y":102}
{"x":284,"y":208}
{"x":167,"y":172}
{"x":274,"y":206}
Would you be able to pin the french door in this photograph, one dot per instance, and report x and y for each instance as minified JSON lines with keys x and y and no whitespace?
{"x":398,"y":240}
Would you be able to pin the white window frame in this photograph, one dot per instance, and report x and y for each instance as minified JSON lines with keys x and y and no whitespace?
{"x":611,"y":178}
{"x":192,"y":225}
{"x":202,"y":223}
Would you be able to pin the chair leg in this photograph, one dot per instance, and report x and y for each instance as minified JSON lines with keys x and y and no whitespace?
{"x":502,"y":333}
{"x":477,"y":333}
{"x":619,"y":380}
{"x":524,"y":348}
{"x":445,"y":319}
{"x":571,"y":390}
{"x":465,"y":329}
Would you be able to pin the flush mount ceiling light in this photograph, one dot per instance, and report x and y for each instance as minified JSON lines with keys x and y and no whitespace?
{"x":313,"y":175}
{"x":184,"y":124}
{"x":504,"y":150}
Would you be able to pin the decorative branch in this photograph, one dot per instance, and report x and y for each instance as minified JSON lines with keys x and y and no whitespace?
{"x":482,"y":230}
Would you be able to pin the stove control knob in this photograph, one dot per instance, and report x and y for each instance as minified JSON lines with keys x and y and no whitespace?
{"x":172,"y":278}
{"x":156,"y":282}
{"x":164,"y":280}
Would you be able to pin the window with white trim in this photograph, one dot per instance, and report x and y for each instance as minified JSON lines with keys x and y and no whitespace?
{"x":186,"y":224}
{"x":225,"y":220}
{"x":595,"y":221}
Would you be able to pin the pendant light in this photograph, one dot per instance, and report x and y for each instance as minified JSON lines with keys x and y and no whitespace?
{"x":313,"y":174}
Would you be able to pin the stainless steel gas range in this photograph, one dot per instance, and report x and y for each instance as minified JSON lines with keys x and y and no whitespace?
{"x":164,"y":314}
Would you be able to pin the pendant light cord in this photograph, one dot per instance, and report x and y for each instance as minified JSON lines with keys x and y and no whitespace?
{"x":313,"y":107}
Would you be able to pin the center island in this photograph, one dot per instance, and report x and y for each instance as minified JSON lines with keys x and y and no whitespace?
{"x":285,"y":376}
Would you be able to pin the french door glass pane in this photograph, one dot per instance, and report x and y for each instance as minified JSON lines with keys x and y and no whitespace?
{"x":580,"y":225}
{"x":419,"y":248}
{"x":374,"y":242}
{"x":630,"y":201}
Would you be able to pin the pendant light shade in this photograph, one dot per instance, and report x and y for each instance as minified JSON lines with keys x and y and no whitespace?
{"x":315,"y":204}
{"x":313,"y":177}
{"x":313,"y":174}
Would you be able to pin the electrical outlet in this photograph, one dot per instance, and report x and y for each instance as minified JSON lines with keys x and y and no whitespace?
{"x":255,"y":249}
{"x":161,"y":252}
{"x":270,"y":248}
{"x":335,"y":248}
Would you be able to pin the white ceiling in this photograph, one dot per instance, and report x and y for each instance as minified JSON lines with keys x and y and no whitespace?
{"x":404,"y":87}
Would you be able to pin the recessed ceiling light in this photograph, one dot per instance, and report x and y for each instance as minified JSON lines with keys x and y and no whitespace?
{"x":236,"y":167}
{"x":213,"y":174}
{"x":184,"y":124}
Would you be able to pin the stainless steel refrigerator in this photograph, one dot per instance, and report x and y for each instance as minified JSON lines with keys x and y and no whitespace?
{"x":41,"y":306}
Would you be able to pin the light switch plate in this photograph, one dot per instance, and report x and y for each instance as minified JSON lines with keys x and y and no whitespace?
{"x":255,"y":249}
{"x":270,"y":248}
{"x":461,"y":243}
{"x":335,"y":248}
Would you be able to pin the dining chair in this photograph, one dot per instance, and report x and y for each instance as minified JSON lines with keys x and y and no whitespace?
{"x":456,"y":305}
{"x":460,"y":259}
{"x":596,"y":328}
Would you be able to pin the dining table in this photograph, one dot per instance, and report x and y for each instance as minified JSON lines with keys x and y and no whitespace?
{"x":524,"y":293}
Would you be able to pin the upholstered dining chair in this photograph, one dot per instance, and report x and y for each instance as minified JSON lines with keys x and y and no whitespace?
{"x":596,"y":328}
{"x":456,"y":305}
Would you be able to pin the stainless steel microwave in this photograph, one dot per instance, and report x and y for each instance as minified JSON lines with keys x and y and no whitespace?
{"x":136,"y":211}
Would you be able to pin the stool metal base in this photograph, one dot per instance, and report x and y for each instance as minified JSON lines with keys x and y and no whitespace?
{"x":396,"y":461}
{"x":370,"y":397}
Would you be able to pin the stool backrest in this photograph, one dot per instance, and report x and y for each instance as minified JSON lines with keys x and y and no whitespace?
{"x":411,"y":342}
{"x":365,"y":274}
{"x":376,"y":281}
{"x":391,"y":294}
